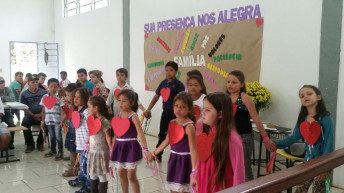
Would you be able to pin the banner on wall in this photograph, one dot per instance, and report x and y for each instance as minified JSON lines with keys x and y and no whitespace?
{"x":215,"y":50}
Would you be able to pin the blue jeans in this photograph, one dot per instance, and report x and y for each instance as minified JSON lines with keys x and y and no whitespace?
{"x":83,"y":177}
{"x":248,"y":143}
{"x":55,"y":135}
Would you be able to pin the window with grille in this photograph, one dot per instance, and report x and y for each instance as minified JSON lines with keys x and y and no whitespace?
{"x":74,"y":7}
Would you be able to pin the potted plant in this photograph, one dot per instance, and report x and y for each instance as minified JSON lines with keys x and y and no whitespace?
{"x":260,"y":95}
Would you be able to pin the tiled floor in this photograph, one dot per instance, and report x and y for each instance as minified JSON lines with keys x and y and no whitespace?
{"x":35,"y":174}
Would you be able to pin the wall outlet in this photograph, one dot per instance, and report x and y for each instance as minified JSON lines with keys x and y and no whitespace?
{"x":0,"y":69}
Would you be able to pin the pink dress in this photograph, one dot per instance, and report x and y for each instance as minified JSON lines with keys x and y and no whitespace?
{"x":235,"y":169}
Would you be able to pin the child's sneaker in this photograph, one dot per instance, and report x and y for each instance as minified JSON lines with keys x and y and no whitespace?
{"x":59,"y":156}
{"x":50,"y":154}
{"x":84,"y":189}
{"x":75,"y":183}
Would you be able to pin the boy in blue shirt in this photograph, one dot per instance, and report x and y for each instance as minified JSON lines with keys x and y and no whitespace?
{"x":82,"y":77}
{"x":172,"y":84}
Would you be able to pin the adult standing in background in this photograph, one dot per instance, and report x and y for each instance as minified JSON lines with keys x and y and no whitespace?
{"x":41,"y":79}
{"x":6,"y":95}
{"x":26,"y":80}
{"x":64,"y":80}
{"x":25,"y":84}
{"x":33,"y":116}
{"x":16,"y":87}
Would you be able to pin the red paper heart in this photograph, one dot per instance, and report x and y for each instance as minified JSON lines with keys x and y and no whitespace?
{"x":203,"y":145}
{"x":197,"y":111}
{"x":234,"y":108}
{"x":146,"y":35}
{"x":165,"y":93}
{"x":76,"y":119}
{"x":146,"y":87}
{"x":259,"y":22}
{"x":95,"y":91}
{"x":49,"y":101}
{"x":120,"y":126}
{"x":175,"y":133}
{"x":93,"y":125}
{"x":310,"y":131}
{"x":115,"y":93}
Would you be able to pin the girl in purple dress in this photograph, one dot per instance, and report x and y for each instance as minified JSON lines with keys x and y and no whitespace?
{"x":127,"y":152}
{"x":182,"y":138}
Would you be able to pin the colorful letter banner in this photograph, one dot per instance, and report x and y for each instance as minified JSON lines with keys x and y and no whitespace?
{"x":214,"y":50}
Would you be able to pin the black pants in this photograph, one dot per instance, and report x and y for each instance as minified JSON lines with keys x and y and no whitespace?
{"x":166,"y":118}
{"x":8,"y":119}
{"x":28,"y":121}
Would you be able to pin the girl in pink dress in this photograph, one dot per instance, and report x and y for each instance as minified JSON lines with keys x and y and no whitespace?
{"x":224,"y":166}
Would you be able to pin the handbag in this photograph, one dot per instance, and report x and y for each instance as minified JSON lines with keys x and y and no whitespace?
{"x":297,"y":149}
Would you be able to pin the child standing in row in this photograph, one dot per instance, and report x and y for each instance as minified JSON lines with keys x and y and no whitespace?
{"x":313,"y":112}
{"x":197,"y":89}
{"x":126,"y":152}
{"x":224,"y":167}
{"x":99,"y":88}
{"x":52,"y":114}
{"x":100,"y":143}
{"x":183,"y":155}
{"x":168,"y":89}
{"x":245,"y":111}
{"x":82,"y":78}
{"x":80,"y":99}
{"x":70,"y":143}
{"x":121,"y":75}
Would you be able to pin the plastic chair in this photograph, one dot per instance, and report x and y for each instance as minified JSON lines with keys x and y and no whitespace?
{"x":290,"y":160}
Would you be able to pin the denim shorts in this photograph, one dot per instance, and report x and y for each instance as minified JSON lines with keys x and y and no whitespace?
{"x":3,"y":130}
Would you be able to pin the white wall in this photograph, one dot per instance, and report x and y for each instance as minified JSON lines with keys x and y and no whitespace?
{"x":92,"y":40}
{"x":291,"y":45}
{"x":23,"y":20}
{"x":338,"y":174}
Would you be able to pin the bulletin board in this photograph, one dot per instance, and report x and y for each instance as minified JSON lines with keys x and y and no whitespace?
{"x":215,"y":50}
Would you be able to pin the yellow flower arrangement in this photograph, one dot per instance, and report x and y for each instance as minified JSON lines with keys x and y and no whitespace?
{"x":260,"y":95}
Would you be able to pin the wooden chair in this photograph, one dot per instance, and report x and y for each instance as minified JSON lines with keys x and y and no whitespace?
{"x":36,"y":129}
{"x":4,"y":153}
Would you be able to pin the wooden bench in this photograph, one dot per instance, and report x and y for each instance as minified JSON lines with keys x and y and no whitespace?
{"x":4,"y":153}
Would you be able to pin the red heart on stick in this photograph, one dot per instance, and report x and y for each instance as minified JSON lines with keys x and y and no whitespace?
{"x":203,"y":144}
{"x":76,"y":119}
{"x":234,"y":108}
{"x":197,"y":111}
{"x":310,"y":131}
{"x":93,"y":125}
{"x":49,"y":101}
{"x":115,"y":93}
{"x":259,"y":22}
{"x":120,"y":126}
{"x":165,"y":93}
{"x":95,"y":91}
{"x":175,"y":133}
